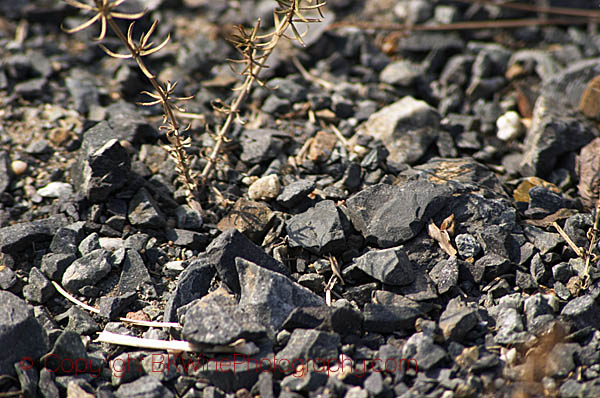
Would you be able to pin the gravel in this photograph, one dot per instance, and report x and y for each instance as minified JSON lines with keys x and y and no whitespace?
{"x":312,"y":249}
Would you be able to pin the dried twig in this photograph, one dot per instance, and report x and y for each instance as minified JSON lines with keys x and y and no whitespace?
{"x":240,"y":347}
{"x":255,"y":50}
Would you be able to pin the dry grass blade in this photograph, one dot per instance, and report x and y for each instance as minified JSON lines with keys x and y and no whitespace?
{"x":239,"y":347}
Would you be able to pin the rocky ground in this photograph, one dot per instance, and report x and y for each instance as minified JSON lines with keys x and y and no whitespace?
{"x":391,"y":222}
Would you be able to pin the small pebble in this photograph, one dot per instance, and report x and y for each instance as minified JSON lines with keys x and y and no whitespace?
{"x":265,"y":188}
{"x":509,"y":126}
{"x":18,"y":167}
{"x":56,"y":190}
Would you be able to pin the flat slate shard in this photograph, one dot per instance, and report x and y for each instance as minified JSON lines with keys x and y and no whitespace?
{"x":231,"y":244}
{"x":20,"y":333}
{"x":320,"y":229}
{"x":218,"y":322}
{"x":390,"y":266}
{"x":17,"y":237}
{"x":103,"y":165}
{"x":388,"y":215}
{"x":273,"y":293}
{"x":407,"y":128}
{"x":193,"y":283}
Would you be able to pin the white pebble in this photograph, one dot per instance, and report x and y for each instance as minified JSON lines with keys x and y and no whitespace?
{"x":18,"y":167}
{"x":265,"y":188}
{"x":56,"y":190}
{"x":509,"y":126}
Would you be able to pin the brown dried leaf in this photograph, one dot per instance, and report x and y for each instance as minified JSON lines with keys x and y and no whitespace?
{"x":589,"y":104}
{"x":588,"y":169}
{"x":442,"y":237}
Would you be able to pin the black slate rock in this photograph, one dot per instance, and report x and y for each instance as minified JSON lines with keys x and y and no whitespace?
{"x":112,"y":307}
{"x":309,"y":344}
{"x":67,"y":348}
{"x":390,"y":266}
{"x":54,"y":265}
{"x":342,"y":320}
{"x":294,"y":193}
{"x":272,"y":294}
{"x":193,"y":283}
{"x":39,"y":289}
{"x":581,"y":312}
{"x":216,"y":319}
{"x":320,"y":229}
{"x":103,"y":165}
{"x":230,"y":245}
{"x":87,"y":270}
{"x":67,"y":238}
{"x":411,"y":205}
{"x":21,"y":336}
{"x":19,"y":236}
{"x":144,"y":211}
{"x":144,"y":387}
{"x":135,"y":276}
{"x":389,"y":318}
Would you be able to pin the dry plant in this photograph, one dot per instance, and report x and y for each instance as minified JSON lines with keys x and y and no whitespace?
{"x":254,"y":48}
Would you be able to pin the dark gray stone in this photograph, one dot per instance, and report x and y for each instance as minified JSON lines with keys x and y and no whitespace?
{"x":310,"y":381}
{"x":543,"y":241}
{"x":412,"y":205}
{"x":493,"y":265}
{"x":457,"y":320}
{"x":581,"y":312}
{"x":190,"y":239}
{"x":28,"y":379}
{"x":307,"y":344}
{"x":274,"y":295}
{"x":509,"y":324}
{"x":7,"y":278}
{"x":5,"y":172}
{"x":87,"y":270}
{"x":144,"y":211}
{"x":81,"y":322}
{"x":144,"y":387}
{"x":89,"y":244}
{"x":538,"y":269}
{"x":231,"y":244}
{"x":342,"y":320}
{"x":54,"y":265}
{"x":445,"y":274}
{"x":112,"y":307}
{"x":39,"y":289}
{"x":21,"y":336}
{"x":128,"y":124}
{"x":261,"y":145}
{"x":294,"y":193}
{"x":467,"y":245}
{"x":46,"y":384}
{"x":320,"y":229}
{"x":288,"y":89}
{"x":401,"y":73}
{"x":218,"y":320}
{"x":135,"y":276}
{"x":551,"y":135}
{"x":68,"y":355}
{"x":389,"y":318}
{"x":17,"y":237}
{"x":422,"y":348}
{"x":67,"y":239}
{"x":390,"y":266}
{"x":193,"y":283}
{"x":407,"y":128}
{"x":103,"y":165}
